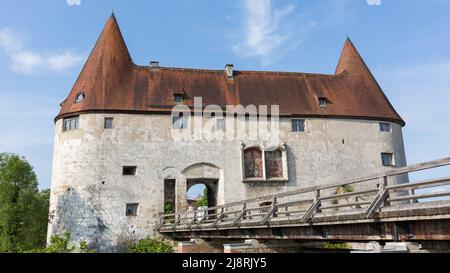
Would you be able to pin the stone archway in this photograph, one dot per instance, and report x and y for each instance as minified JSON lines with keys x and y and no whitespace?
{"x":200,"y":173}
{"x":211,"y":186}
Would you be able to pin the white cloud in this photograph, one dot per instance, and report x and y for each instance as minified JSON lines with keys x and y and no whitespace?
{"x":266,"y":30}
{"x":10,"y":40}
{"x":73,"y":2}
{"x":26,"y":62}
{"x":374,"y":2}
{"x":63,"y":61}
{"x":30,"y":62}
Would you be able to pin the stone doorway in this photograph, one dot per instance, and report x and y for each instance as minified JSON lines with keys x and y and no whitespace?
{"x":198,"y":188}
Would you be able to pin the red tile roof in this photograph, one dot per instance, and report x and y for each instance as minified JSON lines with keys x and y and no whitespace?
{"x":113,"y":83}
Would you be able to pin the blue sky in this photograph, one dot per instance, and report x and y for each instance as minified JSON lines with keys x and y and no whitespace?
{"x":43,"y":45}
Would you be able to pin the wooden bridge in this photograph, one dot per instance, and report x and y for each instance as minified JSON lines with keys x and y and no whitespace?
{"x":363,"y":209}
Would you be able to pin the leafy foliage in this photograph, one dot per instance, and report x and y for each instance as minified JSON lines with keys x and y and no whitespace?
{"x":203,"y":201}
{"x":62,"y":244}
{"x":341,"y":190}
{"x":169,"y":208}
{"x":151,"y":245}
{"x":328,"y":245}
{"x":23,"y":209}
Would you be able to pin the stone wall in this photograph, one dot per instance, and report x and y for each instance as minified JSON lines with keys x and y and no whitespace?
{"x":89,"y":161}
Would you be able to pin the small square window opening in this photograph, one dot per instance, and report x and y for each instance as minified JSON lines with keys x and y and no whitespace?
{"x":108,"y":123}
{"x":129,"y":170}
{"x":132,"y":209}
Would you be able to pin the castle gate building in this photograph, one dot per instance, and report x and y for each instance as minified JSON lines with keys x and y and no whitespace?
{"x":117,"y":164}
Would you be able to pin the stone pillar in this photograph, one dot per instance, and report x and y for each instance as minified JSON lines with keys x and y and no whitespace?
{"x":200,"y":246}
{"x":181,"y":194}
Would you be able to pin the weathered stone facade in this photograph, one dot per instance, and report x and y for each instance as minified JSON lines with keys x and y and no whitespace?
{"x":89,"y":192}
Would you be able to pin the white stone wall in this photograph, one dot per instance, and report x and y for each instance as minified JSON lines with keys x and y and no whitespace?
{"x":89,"y":192}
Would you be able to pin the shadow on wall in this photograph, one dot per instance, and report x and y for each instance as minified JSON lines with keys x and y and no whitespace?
{"x":76,"y":214}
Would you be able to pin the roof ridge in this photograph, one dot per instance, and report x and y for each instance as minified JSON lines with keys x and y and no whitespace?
{"x":240,"y":71}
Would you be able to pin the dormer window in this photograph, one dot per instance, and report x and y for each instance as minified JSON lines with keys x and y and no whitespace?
{"x":323,"y":102}
{"x":80,"y":97}
{"x":178,"y":98}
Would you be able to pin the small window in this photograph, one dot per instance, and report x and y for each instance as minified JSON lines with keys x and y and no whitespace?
{"x":274,"y":164}
{"x":298,"y":125}
{"x":385,"y":127}
{"x":178,"y":97}
{"x":80,"y":97}
{"x":108,"y":123}
{"x":132,"y":209}
{"x":129,"y":170}
{"x":220,"y":124}
{"x":323,"y":102}
{"x":70,"y":124}
{"x":179,"y":123}
{"x":253,"y":166}
{"x":387,"y":159}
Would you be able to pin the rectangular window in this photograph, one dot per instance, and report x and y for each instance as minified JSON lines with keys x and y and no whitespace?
{"x":70,"y":124}
{"x":179,"y":123}
{"x":385,"y":127}
{"x":178,"y":97}
{"x":129,"y":170}
{"x":108,"y":123}
{"x":274,"y":164}
{"x":387,"y":159}
{"x":323,"y":102}
{"x":220,"y":124}
{"x":132,"y":209}
{"x":298,"y":125}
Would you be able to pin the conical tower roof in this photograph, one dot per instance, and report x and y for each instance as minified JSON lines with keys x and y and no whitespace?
{"x":107,"y":73}
{"x":363,"y":83}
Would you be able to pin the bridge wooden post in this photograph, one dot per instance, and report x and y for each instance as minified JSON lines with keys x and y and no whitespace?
{"x":317,"y":199}
{"x":177,"y":221}
{"x":379,"y":199}
{"x":271,"y":213}
{"x":220,"y":217}
{"x":193,"y":219}
{"x":383,"y":188}
{"x":241,"y":215}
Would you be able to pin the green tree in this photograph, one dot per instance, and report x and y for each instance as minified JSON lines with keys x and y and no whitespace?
{"x":23,"y":209}
{"x":203,"y":201}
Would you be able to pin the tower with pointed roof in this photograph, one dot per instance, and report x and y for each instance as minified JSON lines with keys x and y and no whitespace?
{"x":117,"y":167}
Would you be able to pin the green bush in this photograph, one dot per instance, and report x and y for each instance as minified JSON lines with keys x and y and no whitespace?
{"x":151,"y":245}
{"x":60,"y":244}
{"x":169,"y":208}
{"x":329,"y":245}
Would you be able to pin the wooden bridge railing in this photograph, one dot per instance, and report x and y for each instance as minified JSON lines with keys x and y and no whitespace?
{"x":365,"y":195}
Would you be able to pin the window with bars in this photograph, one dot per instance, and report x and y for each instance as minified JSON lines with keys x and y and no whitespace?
{"x":385,"y":127}
{"x":298,"y":125}
{"x":132,"y":209}
{"x":70,"y":124}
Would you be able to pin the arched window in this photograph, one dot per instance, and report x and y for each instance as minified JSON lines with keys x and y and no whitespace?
{"x":80,"y":97}
{"x":274,"y":164}
{"x":253,"y":163}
